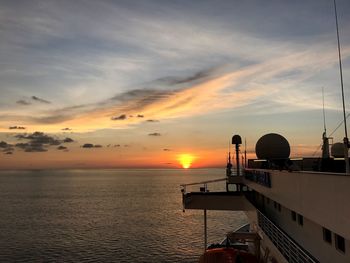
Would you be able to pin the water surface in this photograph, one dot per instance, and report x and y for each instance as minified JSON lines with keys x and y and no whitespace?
{"x":105,"y":215}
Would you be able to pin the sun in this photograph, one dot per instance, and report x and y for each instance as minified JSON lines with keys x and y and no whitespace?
{"x":186,"y":160}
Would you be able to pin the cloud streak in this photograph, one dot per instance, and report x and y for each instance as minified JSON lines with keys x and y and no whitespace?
{"x":90,"y":145}
{"x":119,"y":118}
{"x":23,"y":102}
{"x":62,"y":148}
{"x":212,"y":91}
{"x":37,"y":99}
{"x":17,"y":128}
{"x":156,"y":134}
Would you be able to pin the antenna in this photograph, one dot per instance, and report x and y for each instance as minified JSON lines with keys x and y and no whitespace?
{"x":324,"y":114}
{"x":346,"y":140}
{"x":245,"y":152}
{"x":229,"y":164}
{"x":325,"y":139}
{"x":229,"y":152}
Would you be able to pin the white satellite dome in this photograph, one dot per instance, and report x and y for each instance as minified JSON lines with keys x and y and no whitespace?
{"x":272,"y":146}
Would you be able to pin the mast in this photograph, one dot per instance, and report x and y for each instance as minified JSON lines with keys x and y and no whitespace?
{"x":245,"y":152}
{"x":346,"y":140}
{"x":325,"y":146}
{"x":229,"y":164}
{"x":237,"y":140}
{"x":324,"y":114}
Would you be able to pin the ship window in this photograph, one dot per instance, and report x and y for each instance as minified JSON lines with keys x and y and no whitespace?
{"x":294,"y":216}
{"x":339,"y":243}
{"x":231,"y":187}
{"x":300,"y":220}
{"x":327,"y":235}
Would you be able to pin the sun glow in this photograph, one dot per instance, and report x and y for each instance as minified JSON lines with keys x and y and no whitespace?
{"x":186,"y":160}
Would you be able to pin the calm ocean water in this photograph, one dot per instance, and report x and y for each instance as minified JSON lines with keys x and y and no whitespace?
{"x":105,"y":215}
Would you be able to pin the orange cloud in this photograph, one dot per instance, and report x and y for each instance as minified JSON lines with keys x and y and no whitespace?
{"x":212,"y":91}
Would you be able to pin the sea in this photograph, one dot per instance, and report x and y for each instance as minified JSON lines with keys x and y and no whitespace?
{"x":106,"y":216}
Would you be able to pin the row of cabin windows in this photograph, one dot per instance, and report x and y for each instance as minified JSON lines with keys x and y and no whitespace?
{"x":277,"y":206}
{"x":296,"y":216}
{"x":339,"y":240}
{"x":327,"y":234}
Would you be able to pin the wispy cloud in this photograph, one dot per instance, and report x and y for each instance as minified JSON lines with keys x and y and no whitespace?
{"x":154,"y":134}
{"x":23,"y":102}
{"x":17,"y":128}
{"x":90,"y":145}
{"x":35,"y":98}
{"x":68,"y":140}
{"x":61,"y":147}
{"x":117,"y":47}
{"x":119,"y":118}
{"x":201,"y":93}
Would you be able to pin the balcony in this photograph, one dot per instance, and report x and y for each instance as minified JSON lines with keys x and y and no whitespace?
{"x":206,"y":200}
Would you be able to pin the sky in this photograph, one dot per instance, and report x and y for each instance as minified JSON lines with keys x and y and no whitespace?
{"x":121,"y":84}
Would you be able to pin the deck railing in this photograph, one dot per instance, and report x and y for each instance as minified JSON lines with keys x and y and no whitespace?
{"x":290,"y":250}
{"x":204,"y":183}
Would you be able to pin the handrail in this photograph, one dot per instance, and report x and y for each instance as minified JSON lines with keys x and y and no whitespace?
{"x":290,"y":249}
{"x":204,"y":182}
{"x":295,"y":171}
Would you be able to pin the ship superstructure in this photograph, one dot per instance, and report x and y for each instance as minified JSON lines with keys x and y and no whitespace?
{"x":300,"y":208}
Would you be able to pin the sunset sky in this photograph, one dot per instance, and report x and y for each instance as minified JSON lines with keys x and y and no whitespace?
{"x":102,"y":84}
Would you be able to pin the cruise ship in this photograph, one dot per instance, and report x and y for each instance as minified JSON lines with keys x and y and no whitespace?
{"x":297,"y":208}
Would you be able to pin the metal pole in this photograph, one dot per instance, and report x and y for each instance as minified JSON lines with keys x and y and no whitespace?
{"x":205,"y":230}
{"x":324,"y":113}
{"x":245,"y":153}
{"x":346,"y":140}
{"x":237,"y":158}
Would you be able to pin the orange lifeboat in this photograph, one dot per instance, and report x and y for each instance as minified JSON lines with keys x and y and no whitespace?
{"x":227,"y":255}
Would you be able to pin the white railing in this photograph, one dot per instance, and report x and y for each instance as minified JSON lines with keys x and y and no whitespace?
{"x":204,"y":183}
{"x":289,"y":249}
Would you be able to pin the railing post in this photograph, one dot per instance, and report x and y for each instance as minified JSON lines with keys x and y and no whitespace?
{"x":205,"y":229}
{"x":183,"y":191}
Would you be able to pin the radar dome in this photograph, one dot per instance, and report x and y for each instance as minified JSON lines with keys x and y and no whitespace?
{"x":337,"y":150}
{"x":272,"y":146}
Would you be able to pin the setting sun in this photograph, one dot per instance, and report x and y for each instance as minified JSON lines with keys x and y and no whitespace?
{"x":186,"y":160}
